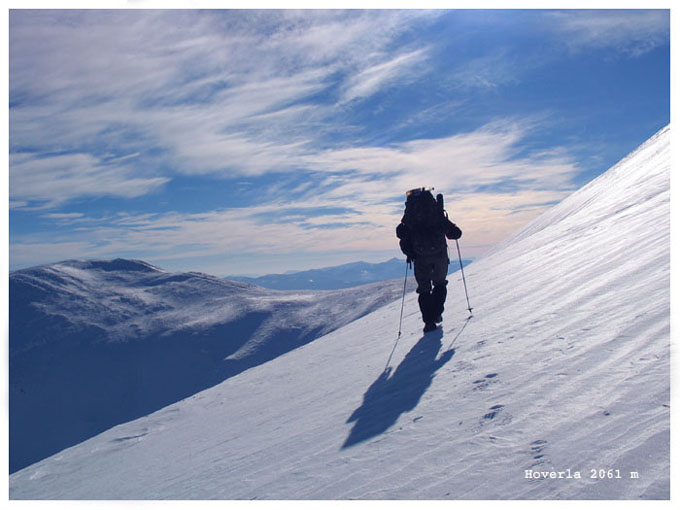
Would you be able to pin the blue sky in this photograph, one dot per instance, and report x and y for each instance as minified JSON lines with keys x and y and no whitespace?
{"x":252,"y":142}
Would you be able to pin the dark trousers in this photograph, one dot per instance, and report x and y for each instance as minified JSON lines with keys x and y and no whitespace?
{"x":430,"y":273}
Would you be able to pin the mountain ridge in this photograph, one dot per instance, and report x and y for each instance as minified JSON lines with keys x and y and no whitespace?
{"x":336,"y":277}
{"x":130,"y":327}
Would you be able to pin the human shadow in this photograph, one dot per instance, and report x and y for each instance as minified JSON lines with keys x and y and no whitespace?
{"x":395,"y":393}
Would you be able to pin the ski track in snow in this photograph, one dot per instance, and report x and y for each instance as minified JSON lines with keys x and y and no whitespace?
{"x":564,"y":366}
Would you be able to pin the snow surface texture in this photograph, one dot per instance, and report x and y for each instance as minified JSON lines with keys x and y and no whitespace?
{"x":97,"y":343}
{"x":564,"y":368}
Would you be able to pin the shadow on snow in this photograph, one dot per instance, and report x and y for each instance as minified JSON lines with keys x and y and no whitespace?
{"x":80,"y":388}
{"x":395,"y":393}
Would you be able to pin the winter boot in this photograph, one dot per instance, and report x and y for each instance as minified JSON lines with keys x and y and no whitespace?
{"x":429,"y":326}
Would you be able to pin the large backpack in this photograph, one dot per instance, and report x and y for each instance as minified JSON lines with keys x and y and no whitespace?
{"x":424,"y":223}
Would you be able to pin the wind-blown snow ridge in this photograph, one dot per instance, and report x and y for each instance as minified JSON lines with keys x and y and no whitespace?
{"x":112,"y":265}
{"x":593,"y":203}
{"x":557,"y":388}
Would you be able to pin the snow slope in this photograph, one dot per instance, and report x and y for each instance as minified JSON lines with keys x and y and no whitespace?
{"x":564,"y":368}
{"x":101,"y":342}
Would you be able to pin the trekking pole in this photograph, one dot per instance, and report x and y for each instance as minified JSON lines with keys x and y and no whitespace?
{"x":401,"y":315}
{"x":403,"y":296}
{"x":460,"y":261}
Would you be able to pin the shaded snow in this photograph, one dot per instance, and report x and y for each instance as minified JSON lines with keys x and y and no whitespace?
{"x":564,"y":366}
{"x":97,"y":343}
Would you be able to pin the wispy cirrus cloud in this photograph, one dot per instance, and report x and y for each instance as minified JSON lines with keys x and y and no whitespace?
{"x":256,"y":233}
{"x":228,"y":93}
{"x":493,"y":70}
{"x":192,"y":62}
{"x":63,"y":216}
{"x":48,"y":181}
{"x":368,"y":81}
{"x":322,"y":118}
{"x":630,"y":32}
{"x":460,"y":163}
{"x":620,"y":33}
{"x":354,"y":204}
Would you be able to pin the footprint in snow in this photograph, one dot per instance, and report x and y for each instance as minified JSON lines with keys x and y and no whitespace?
{"x":494,"y":411}
{"x":496,"y":416}
{"x":539,"y":445}
{"x":486,"y":381}
{"x":537,"y":448}
{"x":129,"y":438}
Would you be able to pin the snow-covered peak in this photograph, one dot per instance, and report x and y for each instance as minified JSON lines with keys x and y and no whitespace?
{"x":111,"y":265}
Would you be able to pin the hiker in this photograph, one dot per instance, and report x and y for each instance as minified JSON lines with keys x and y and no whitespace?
{"x":422,"y":237}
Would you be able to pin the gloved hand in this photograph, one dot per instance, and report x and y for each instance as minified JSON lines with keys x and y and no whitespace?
{"x":452,"y":231}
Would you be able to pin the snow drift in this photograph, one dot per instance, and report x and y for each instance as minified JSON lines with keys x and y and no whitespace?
{"x":97,"y":343}
{"x":558,"y":387}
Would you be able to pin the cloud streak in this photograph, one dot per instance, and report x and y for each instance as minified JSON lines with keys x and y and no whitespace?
{"x":357,"y":211}
{"x":631,"y":33}
{"x":48,"y":181}
{"x":372,"y":79}
{"x":245,"y":94}
{"x":327,"y":114}
{"x":209,"y":92}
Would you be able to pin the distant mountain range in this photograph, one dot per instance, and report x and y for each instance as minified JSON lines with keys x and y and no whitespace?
{"x":336,"y":277}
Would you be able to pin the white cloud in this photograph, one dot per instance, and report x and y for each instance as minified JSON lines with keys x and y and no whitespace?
{"x":623,"y":32}
{"x":631,"y":32}
{"x":239,"y":95}
{"x":497,"y":68}
{"x":368,"y":81}
{"x":484,"y":219}
{"x":228,"y":92}
{"x":54,"y":180}
{"x":63,"y":216}
{"x":462,"y":162}
{"x":362,"y":206}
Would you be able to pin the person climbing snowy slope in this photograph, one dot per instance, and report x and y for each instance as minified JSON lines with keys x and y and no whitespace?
{"x":422,"y":237}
